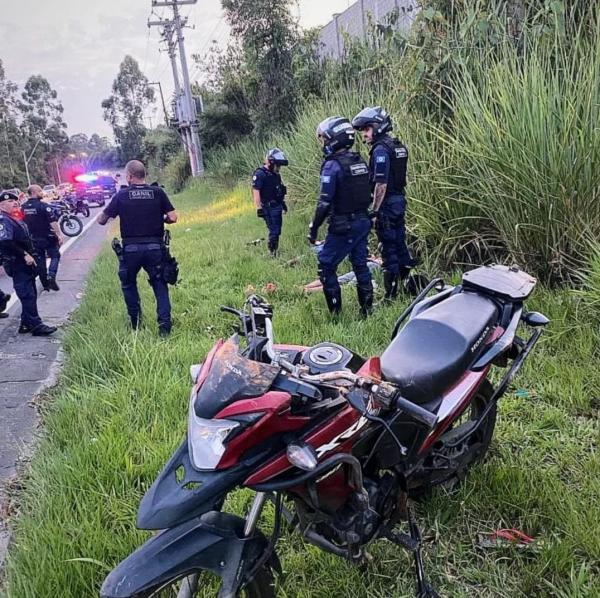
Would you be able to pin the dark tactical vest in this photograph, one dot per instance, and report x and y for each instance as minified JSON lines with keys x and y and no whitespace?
{"x":398,"y":154}
{"x":353,"y":193}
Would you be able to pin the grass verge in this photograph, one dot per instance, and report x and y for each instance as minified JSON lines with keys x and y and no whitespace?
{"x":120,"y":410}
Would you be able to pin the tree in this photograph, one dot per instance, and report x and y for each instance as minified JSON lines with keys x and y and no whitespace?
{"x":124,"y":109}
{"x":11,"y":166}
{"x":267,"y":34}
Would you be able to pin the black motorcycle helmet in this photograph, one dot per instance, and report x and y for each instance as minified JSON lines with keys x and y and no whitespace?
{"x":373,"y":116}
{"x":277,"y":157}
{"x":337,"y":133}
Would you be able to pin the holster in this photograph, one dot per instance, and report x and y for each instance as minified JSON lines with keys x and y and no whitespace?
{"x":117,"y":247}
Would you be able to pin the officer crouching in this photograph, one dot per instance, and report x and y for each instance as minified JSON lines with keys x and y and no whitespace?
{"x":268,"y":193}
{"x":143,"y":211}
{"x":345,"y":197}
{"x":16,"y":255}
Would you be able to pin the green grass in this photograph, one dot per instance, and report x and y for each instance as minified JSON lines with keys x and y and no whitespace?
{"x":120,"y":410}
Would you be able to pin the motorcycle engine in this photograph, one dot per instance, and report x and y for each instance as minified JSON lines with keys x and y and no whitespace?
{"x":327,"y":357}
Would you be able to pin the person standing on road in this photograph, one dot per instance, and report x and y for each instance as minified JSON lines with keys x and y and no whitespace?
{"x":16,"y":255}
{"x":387,"y":166}
{"x":42,"y":222}
{"x":143,"y":211}
{"x":268,"y":193}
{"x":345,"y":198}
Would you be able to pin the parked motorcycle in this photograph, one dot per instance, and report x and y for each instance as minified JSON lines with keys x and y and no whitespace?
{"x":69,"y":224}
{"x":78,"y":205}
{"x":337,"y":443}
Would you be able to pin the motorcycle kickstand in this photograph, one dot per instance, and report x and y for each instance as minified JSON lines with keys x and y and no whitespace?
{"x":424,"y":589}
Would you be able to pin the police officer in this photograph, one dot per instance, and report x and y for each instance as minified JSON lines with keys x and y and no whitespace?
{"x":16,"y":254}
{"x":143,"y":211}
{"x":387,"y":167}
{"x":344,"y":198}
{"x":268,"y":193}
{"x":42,"y":222}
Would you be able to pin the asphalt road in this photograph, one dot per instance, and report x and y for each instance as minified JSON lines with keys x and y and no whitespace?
{"x":29,"y":364}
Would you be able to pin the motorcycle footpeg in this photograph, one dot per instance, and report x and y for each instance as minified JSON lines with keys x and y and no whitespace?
{"x":403,"y":540}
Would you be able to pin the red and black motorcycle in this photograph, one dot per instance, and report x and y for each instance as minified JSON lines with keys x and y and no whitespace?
{"x":338,"y":443}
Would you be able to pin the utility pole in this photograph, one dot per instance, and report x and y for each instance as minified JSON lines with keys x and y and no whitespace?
{"x":186,"y":109}
{"x":162,"y":99}
{"x":27,"y":160}
{"x":57,"y":170}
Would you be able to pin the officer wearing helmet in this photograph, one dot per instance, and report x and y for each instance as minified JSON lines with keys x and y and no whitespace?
{"x":268,"y":193}
{"x":387,"y":168}
{"x":16,"y":255}
{"x":344,"y":198}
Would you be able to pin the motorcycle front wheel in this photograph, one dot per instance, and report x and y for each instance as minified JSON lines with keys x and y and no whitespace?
{"x":71,"y":226}
{"x":206,"y":585}
{"x":459,"y":448}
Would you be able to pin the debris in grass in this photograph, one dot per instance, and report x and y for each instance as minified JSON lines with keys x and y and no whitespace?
{"x":269,"y":288}
{"x":255,"y":242}
{"x":505,"y":537}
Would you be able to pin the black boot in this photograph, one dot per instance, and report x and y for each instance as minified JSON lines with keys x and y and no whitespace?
{"x":404,"y":272}
{"x":52,"y":284}
{"x":44,"y":330}
{"x":334,"y":300}
{"x":273,"y":247}
{"x":365,"y":299}
{"x":390,"y":283}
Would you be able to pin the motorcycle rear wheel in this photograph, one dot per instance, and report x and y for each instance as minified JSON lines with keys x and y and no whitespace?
{"x":472,"y":450}
{"x":85,"y":211}
{"x":207,"y":586}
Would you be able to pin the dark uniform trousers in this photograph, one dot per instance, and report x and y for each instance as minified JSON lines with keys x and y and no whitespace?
{"x":391,"y":232}
{"x":23,"y":277}
{"x":273,"y":215}
{"x":150,"y":257}
{"x":352,"y":243}
{"x":46,"y":247}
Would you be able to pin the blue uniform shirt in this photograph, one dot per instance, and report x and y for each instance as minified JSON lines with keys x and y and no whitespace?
{"x":269,"y":185}
{"x":38,"y":217}
{"x":15,"y":239}
{"x":382,"y":164}
{"x":331,"y":173}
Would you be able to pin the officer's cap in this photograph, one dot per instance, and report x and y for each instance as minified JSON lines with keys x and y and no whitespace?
{"x":8,"y":196}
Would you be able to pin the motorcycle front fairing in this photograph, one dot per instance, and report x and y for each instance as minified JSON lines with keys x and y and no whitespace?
{"x":181,"y":493}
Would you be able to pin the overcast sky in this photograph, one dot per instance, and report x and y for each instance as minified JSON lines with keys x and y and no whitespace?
{"x":78,"y":46}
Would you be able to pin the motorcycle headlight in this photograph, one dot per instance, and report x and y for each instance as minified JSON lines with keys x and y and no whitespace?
{"x":205,"y":438}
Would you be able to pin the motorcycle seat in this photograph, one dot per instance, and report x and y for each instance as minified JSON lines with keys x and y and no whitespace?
{"x":437,"y":346}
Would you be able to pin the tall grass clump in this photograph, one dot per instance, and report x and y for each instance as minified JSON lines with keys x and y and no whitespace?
{"x":525,"y":153}
{"x":509,"y":168}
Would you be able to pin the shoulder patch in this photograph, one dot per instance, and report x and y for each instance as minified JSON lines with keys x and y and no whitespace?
{"x":254,"y":177}
{"x":401,"y":152}
{"x":380,"y":159}
{"x":49,"y":210}
{"x":325,"y":178}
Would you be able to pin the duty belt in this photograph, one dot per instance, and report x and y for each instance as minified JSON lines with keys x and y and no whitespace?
{"x":141,"y":240}
{"x":351,"y":215}
{"x":133,"y":247}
